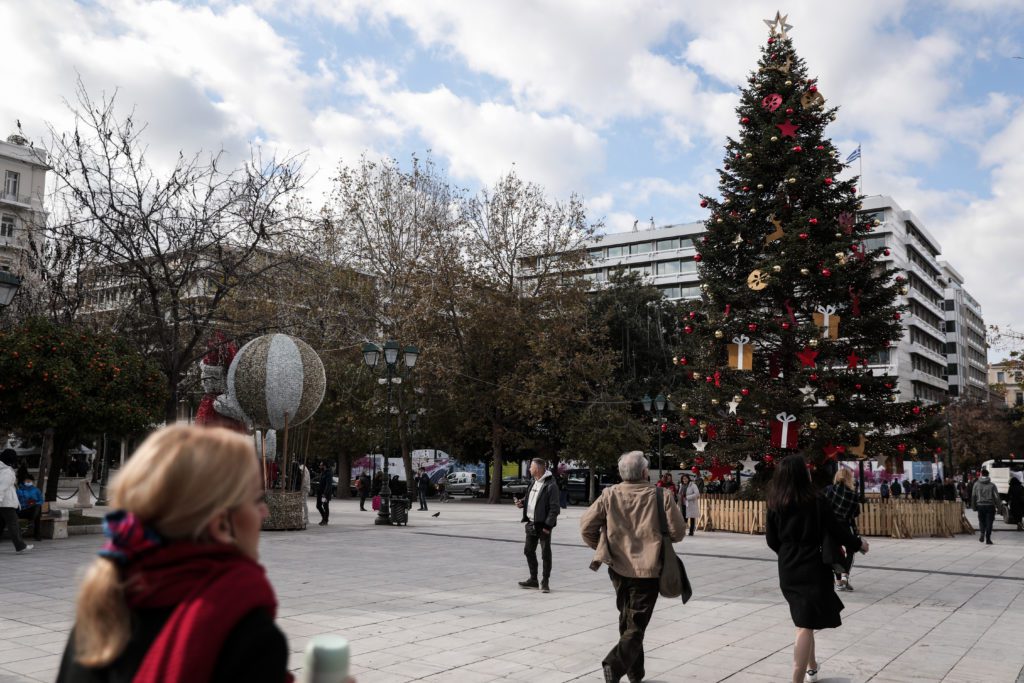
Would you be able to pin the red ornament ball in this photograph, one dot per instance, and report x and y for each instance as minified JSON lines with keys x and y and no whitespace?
{"x":901,"y":447}
{"x":803,"y":235}
{"x":857,"y":387}
{"x":820,"y":147}
{"x":693,"y":422}
{"x":745,"y":119}
{"x":813,"y":88}
{"x":752,"y":327}
{"x":812,"y":221}
{"x":698,"y":258}
{"x":693,"y":315}
{"x":709,"y":379}
{"x":664,"y":427}
{"x":798,"y":148}
{"x":828,"y":181}
{"x":739,"y":421}
{"x":789,"y":110}
{"x":886,"y":252}
{"x":746,"y":188}
{"x":704,"y":203}
{"x":786,"y":325}
{"x":771,"y":40}
{"x":814,"y":377}
{"x":916,"y":410}
{"x":683,"y":360}
{"x":825,"y":272}
{"x":896,"y":316}
{"x":688,"y":329}
{"x":745,"y":392}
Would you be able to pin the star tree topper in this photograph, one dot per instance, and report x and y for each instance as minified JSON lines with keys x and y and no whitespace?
{"x":778,"y":25}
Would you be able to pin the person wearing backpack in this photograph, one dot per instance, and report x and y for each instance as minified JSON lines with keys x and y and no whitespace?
{"x":985,"y":498}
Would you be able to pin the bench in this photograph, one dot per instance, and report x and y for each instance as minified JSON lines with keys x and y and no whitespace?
{"x":53,"y":524}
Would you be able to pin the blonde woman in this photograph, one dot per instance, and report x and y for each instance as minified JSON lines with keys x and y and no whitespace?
{"x":845,"y":508}
{"x":177,"y":593}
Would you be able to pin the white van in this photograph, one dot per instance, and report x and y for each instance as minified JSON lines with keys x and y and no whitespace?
{"x":1000,"y":470}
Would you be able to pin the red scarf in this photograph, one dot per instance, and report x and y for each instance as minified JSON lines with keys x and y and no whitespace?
{"x":213,"y":586}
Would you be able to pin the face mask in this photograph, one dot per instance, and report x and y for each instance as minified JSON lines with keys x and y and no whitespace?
{"x":28,"y":483}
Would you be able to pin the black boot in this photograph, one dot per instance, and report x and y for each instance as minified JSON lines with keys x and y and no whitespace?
{"x":529,"y":583}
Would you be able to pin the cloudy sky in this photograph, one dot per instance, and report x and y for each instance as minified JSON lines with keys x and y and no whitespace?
{"x":626,"y":102}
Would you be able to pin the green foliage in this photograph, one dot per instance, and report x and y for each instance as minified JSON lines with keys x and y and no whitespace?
{"x":75,"y":381}
{"x":782,"y":174}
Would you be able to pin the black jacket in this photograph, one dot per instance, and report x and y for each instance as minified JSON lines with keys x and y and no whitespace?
{"x":325,"y":484}
{"x":423,"y":483}
{"x":547,"y":508}
{"x":255,"y":651}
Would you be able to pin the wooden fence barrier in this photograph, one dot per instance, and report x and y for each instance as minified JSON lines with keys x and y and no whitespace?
{"x":896,"y":519}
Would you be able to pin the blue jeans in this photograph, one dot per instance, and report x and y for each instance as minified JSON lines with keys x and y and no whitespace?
{"x":986,"y":517}
{"x":423,"y":500}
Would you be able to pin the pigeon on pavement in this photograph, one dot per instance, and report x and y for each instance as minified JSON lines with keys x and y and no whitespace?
{"x":436,"y":514}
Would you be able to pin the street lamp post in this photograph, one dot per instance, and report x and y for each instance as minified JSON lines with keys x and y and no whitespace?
{"x":659,"y":407}
{"x":392,"y":372}
{"x":8,"y":287}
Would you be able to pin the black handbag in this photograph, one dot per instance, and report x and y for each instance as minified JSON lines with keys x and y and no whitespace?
{"x":831,"y":552}
{"x":673,"y":581}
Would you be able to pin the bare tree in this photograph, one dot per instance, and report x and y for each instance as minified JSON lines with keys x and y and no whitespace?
{"x":166,"y":256}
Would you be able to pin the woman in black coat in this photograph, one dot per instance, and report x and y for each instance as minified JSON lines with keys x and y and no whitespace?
{"x":1016,"y":496}
{"x":798,"y":518}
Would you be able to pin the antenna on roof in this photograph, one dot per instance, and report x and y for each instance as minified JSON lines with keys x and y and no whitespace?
{"x":652,"y":222}
{"x":635,"y":221}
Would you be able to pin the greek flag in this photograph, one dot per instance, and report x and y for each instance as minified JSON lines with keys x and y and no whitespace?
{"x":854,"y":155}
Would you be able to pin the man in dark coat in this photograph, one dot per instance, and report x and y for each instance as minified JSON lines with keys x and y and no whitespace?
{"x":895,"y":489}
{"x":364,"y":490}
{"x":423,"y":487}
{"x":540,"y":513}
{"x":324,"y":491}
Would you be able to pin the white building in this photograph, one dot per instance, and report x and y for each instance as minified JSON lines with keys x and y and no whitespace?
{"x":664,"y":258}
{"x":966,"y":348}
{"x":23,"y":174}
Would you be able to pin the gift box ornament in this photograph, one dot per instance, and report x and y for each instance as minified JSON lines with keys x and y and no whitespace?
{"x":741,"y":353}
{"x":826,"y":319}
{"x":785,"y":431}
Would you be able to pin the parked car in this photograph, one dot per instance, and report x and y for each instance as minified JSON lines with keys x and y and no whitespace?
{"x":514,"y":487}
{"x":578,"y":484}
{"x":464,"y":483}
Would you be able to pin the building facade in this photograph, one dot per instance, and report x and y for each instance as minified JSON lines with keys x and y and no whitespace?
{"x":1007,"y":380}
{"x":933,"y":296}
{"x":966,"y":348}
{"x":23,"y":174}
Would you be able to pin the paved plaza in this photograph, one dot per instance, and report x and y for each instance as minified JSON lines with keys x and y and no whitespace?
{"x":438,"y":601}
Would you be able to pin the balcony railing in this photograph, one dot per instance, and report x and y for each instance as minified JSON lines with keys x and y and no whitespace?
{"x":20,"y":199}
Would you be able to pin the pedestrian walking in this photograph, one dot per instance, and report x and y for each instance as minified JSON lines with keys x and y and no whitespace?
{"x":378,"y":483}
{"x":985,"y":499}
{"x":305,"y":485}
{"x":1016,"y":499}
{"x":896,"y":489}
{"x":797,"y":522}
{"x":324,"y":491}
{"x":563,"y":491}
{"x":9,"y":504}
{"x":689,"y":499}
{"x":178,"y":594}
{"x":364,"y":485}
{"x":423,"y":488}
{"x":883,"y":491}
{"x":622,"y":526}
{"x":540,"y":513}
{"x":915,"y":489}
{"x":845,"y":508}
{"x":31,"y":500}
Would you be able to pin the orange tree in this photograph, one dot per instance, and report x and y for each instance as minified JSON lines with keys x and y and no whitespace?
{"x":74,"y":381}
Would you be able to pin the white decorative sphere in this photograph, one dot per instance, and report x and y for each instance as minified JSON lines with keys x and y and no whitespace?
{"x":274,"y":376}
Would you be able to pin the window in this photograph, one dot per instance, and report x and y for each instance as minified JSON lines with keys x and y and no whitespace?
{"x":11,"y":181}
{"x":7,"y":225}
{"x":688,"y":266}
{"x":689,"y":292}
{"x":670,"y":292}
{"x":952,"y":370}
{"x":668,"y":267}
{"x":950,"y":348}
{"x":667,"y":245}
{"x":685,"y":243}
{"x":597,"y":253}
{"x":642,"y":248}
{"x":950,"y":326}
{"x":617,"y":251}
{"x":1000,"y":378}
{"x":1020,"y":398}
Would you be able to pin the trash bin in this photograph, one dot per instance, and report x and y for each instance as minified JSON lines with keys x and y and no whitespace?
{"x":400,"y":510}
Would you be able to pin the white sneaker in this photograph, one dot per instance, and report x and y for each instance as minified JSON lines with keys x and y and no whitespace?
{"x":812,"y":676}
{"x":26,"y":549}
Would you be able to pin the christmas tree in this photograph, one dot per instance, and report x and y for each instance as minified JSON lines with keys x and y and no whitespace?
{"x":786,"y":352}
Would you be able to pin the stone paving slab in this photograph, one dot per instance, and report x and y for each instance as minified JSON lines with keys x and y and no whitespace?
{"x":438,"y":601}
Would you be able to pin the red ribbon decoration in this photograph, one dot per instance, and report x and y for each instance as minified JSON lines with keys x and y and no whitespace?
{"x":855,"y":298}
{"x":718,"y":379}
{"x":728,"y":307}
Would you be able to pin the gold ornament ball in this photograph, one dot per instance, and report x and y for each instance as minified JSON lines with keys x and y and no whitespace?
{"x":719,"y":334}
{"x":775,"y":138}
{"x":675,"y":360}
{"x":813,"y":424}
{"x":904,"y":290}
{"x":791,"y":181}
{"x":684,"y":407}
{"x":913,"y":451}
{"x":753,"y":211}
{"x":935,"y":435}
{"x":840,"y":255}
{"x":876,"y":222}
{"x":719,"y":220}
{"x":804,"y":271}
{"x":714,"y":401}
{"x":760,"y":186}
{"x":764,"y":411}
{"x":839,"y":235}
{"x":695,"y":375}
{"x":789,"y":82}
{"x":831,"y":398}
{"x":725,"y":201}
{"x":703,"y":425}
{"x":776,"y":269}
{"x":813,"y":342}
{"x":748,"y":155}
{"x":737,"y":398}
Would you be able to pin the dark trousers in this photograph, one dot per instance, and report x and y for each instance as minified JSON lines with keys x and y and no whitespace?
{"x":635,"y":599}
{"x":693,"y":525}
{"x":533,"y":537}
{"x":323,"y":506}
{"x":986,"y":517}
{"x":9,"y":518}
{"x":423,"y":500}
{"x":362,"y":500}
{"x":35,"y":515}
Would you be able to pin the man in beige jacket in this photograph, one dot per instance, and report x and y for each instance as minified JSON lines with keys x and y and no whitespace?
{"x":622,"y":526}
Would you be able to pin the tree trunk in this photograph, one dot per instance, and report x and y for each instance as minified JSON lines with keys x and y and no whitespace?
{"x":403,"y":444}
{"x":59,"y":459}
{"x":171,"y":404}
{"x":592,"y":484}
{"x":344,"y":475}
{"x":46,"y":461}
{"x":495,"y":493}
